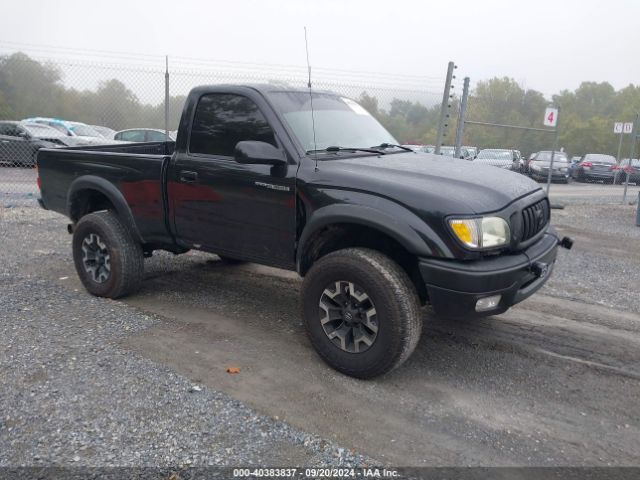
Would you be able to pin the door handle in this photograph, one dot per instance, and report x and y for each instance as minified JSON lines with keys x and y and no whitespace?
{"x":187,"y":176}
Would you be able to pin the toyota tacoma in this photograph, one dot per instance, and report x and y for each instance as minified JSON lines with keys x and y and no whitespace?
{"x":309,"y":181}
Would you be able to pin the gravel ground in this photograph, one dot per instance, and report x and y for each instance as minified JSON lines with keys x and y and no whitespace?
{"x":70,"y":396}
{"x":604,"y":265}
{"x":73,"y":393}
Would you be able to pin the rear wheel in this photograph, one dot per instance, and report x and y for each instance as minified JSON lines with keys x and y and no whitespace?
{"x":361,"y":312}
{"x":109,"y":262}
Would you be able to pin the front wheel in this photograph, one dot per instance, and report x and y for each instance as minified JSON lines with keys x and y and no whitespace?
{"x":109,"y":261}
{"x":361,"y":312}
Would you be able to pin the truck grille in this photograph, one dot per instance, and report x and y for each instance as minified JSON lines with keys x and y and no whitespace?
{"x":534,"y":219}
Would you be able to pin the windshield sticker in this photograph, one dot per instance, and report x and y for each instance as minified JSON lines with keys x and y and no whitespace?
{"x":354,"y":106}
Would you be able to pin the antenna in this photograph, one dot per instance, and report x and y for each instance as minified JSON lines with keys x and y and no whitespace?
{"x":313,"y":120}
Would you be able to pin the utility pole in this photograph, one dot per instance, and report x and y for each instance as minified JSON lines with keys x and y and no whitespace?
{"x":553,"y":152}
{"x":615,"y":180}
{"x":166,"y":97}
{"x":444,"y":109}
{"x":461,"y":117}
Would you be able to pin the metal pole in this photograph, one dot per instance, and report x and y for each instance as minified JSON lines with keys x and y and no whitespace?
{"x":634,"y":139}
{"x":553,"y":152}
{"x":463,"y":112}
{"x":166,"y":98}
{"x":445,"y":107}
{"x":615,"y":179}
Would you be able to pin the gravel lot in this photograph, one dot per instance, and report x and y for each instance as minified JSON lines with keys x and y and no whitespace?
{"x":70,"y":396}
{"x":87,"y":381}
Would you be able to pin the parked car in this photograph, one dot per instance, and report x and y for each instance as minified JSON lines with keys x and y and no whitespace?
{"x":524,"y":164}
{"x":473,"y":151}
{"x":85,"y":134}
{"x":375,"y":231}
{"x":573,"y":163}
{"x":451,"y":151}
{"x":631,"y":168}
{"x":106,"y":132}
{"x":19,"y":142}
{"x":143,"y":135}
{"x":595,"y":167}
{"x":541,"y":163}
{"x":498,"y":157}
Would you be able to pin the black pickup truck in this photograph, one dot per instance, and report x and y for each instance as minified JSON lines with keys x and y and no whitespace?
{"x":309,"y":182}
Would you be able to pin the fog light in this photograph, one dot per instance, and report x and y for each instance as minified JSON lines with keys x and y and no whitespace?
{"x":488,"y":303}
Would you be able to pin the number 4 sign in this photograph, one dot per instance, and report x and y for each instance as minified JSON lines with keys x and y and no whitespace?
{"x":551,"y":117}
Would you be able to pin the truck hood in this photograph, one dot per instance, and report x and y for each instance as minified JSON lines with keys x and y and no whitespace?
{"x":426,"y":181}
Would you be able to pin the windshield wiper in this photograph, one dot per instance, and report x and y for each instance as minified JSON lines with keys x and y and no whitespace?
{"x":392,"y":145}
{"x":345,"y":149}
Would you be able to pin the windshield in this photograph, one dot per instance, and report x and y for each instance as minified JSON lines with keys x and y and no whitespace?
{"x":43,"y":131}
{"x":83,"y":130}
{"x":495,"y":155}
{"x":339,"y":121}
{"x":546,"y":157}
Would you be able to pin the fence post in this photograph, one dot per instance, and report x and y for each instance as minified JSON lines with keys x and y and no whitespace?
{"x":615,"y":177}
{"x":634,"y":139}
{"x":461,"y":117}
{"x":166,"y":97}
{"x":445,"y":107}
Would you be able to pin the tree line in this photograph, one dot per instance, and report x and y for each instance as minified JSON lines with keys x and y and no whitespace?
{"x":31,"y":88}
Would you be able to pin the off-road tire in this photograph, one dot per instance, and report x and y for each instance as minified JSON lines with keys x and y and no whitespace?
{"x":126,"y":256}
{"x":396,"y":302}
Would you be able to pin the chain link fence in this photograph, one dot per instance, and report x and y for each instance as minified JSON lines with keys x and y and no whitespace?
{"x":51,"y":98}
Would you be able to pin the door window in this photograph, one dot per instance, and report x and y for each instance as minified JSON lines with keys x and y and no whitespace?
{"x":131,"y":136}
{"x":9,"y":129}
{"x":153,"y":136}
{"x":222,"y":120}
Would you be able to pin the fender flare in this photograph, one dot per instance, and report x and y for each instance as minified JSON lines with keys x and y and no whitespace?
{"x":109,"y":190}
{"x":401,"y":230}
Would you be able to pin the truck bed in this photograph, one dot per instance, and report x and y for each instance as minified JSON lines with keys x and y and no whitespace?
{"x":134,"y":170}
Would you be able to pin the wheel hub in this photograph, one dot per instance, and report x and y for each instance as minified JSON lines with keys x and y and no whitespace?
{"x":348,"y":317}
{"x":95,"y":258}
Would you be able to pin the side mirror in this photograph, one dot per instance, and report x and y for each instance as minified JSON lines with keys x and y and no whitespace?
{"x":259,"y":153}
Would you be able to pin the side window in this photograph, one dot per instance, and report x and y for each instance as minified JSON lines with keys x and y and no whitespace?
{"x":222,"y":120}
{"x":131,"y":136}
{"x":5,"y":128}
{"x":153,"y":136}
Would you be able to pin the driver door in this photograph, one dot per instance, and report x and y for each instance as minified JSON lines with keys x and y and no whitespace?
{"x":238,"y":210}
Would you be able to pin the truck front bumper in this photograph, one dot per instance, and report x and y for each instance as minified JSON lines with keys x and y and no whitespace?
{"x":455,"y":287}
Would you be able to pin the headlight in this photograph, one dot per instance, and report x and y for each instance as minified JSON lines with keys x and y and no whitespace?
{"x":563,"y":170}
{"x":535,"y":167}
{"x":478,"y":233}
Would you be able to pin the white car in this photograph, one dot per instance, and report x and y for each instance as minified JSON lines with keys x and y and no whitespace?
{"x":85,"y":135}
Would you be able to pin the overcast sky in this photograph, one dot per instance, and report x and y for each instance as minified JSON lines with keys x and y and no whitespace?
{"x":547,"y":45}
